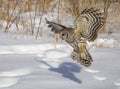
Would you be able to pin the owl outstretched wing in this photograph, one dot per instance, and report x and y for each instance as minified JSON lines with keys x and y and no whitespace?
{"x":57,"y":28}
{"x":88,"y":23}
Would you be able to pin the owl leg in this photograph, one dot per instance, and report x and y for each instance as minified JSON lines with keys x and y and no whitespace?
{"x":77,"y":57}
{"x":86,"y":58}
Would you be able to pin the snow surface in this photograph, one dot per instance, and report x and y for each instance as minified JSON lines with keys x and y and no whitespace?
{"x":37,"y":64}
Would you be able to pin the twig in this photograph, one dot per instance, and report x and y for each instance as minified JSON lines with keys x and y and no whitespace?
{"x":10,"y":23}
{"x":41,"y":20}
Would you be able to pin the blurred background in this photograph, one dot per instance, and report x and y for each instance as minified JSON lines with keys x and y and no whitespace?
{"x":27,"y":17}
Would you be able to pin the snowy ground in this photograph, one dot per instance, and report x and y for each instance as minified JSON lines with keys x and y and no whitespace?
{"x":37,"y":64}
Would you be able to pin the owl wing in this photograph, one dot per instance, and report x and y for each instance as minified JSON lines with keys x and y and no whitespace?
{"x":88,"y":23}
{"x":55,"y":27}
{"x":87,"y":26}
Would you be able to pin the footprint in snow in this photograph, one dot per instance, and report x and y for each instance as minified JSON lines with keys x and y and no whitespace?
{"x":8,"y":82}
{"x":100,"y":78}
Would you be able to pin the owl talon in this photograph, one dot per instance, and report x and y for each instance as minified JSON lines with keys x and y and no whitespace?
{"x":84,"y":62}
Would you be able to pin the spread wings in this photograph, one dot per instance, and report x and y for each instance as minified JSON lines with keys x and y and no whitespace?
{"x":87,"y":25}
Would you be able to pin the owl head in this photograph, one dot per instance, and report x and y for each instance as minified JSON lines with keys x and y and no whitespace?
{"x":65,"y":33}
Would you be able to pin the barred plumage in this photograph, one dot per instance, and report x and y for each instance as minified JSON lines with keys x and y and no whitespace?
{"x":92,"y":21}
{"x":87,"y":25}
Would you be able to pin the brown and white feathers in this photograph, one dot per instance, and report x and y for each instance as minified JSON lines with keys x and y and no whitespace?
{"x":87,"y":25}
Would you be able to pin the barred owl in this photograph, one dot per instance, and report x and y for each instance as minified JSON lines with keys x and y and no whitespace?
{"x":87,"y":25}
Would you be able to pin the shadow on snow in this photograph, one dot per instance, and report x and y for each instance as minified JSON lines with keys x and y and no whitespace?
{"x":67,"y":69}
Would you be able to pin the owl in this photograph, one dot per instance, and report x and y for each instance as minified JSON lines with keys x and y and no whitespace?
{"x":86,"y":28}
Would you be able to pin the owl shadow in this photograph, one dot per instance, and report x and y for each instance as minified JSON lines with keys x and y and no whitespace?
{"x":67,"y":69}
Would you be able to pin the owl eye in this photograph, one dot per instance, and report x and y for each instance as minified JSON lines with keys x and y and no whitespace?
{"x":63,"y":34}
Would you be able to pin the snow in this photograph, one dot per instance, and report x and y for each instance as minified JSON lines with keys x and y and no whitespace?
{"x":55,"y":54}
{"x":14,"y":73}
{"x":7,"y":82}
{"x":117,"y":84}
{"x":92,"y":70}
{"x":99,"y":78}
{"x":28,"y":64}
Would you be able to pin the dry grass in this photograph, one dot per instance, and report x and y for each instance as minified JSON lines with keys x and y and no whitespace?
{"x":73,"y":7}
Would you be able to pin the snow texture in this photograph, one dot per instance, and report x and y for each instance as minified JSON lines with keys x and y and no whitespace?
{"x":42,"y":66}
